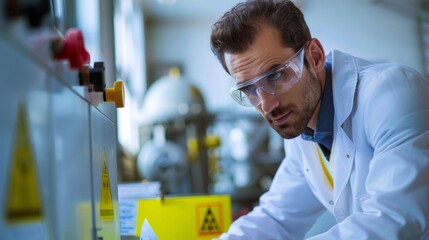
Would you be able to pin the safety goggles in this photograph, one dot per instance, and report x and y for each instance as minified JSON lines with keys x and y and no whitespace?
{"x":276,"y":81}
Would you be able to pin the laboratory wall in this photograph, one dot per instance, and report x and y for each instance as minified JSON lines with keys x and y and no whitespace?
{"x":368,"y":29}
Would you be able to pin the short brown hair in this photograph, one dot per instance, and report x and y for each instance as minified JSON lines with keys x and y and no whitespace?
{"x":236,"y":29}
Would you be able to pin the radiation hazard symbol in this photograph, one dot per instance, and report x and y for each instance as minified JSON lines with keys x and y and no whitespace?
{"x":209,"y":219}
{"x":23,"y":202}
{"x":106,"y":203}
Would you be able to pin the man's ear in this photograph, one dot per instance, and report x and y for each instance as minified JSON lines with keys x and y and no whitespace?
{"x":316,"y":55}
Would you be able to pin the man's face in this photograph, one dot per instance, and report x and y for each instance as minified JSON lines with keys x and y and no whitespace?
{"x":289,"y":112}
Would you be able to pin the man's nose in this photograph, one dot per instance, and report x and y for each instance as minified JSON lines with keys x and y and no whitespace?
{"x":269,"y":102}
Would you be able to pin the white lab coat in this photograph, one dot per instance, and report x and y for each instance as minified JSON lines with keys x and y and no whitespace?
{"x":380,"y":163}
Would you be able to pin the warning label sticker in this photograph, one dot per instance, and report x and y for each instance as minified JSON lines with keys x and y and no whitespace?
{"x":209,"y":219}
{"x":106,"y":203}
{"x":23,"y":195}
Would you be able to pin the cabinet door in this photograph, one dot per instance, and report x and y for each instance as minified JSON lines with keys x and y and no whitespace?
{"x":72,"y":164}
{"x":104,"y":173}
{"x":25,"y":156}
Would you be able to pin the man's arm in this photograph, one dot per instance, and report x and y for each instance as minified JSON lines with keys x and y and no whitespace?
{"x":286,"y":211}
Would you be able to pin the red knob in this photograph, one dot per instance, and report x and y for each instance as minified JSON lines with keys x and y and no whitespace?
{"x":73,"y":49}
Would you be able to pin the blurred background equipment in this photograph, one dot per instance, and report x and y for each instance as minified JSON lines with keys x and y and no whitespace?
{"x":165,"y":162}
{"x":173,"y":126}
{"x":249,"y":156}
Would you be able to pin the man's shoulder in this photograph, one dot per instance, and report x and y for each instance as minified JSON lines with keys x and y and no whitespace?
{"x":363,"y":66}
{"x":380,"y":74}
{"x":389,"y":68}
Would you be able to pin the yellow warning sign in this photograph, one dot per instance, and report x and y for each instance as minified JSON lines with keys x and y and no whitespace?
{"x":23,"y":195}
{"x":106,"y":203}
{"x":209,"y":217}
{"x":185,"y":217}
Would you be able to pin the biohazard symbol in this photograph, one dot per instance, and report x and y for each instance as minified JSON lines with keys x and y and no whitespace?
{"x":23,"y":196}
{"x":210,"y":222}
{"x":106,"y":203}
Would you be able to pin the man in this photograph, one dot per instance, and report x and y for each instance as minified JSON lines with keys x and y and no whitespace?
{"x":357,"y":139}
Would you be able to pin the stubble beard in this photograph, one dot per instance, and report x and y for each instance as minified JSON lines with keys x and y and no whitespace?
{"x":300,"y":116}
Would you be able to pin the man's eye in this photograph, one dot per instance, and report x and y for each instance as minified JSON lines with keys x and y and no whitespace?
{"x":274,"y":77}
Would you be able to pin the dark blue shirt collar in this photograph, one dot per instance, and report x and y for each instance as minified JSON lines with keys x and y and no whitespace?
{"x":325,"y":121}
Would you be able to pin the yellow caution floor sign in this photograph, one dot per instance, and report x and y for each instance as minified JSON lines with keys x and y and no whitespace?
{"x":187,"y":217}
{"x":106,"y":203}
{"x":23,"y":196}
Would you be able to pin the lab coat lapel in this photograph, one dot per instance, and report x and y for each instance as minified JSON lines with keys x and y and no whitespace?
{"x":344,"y":82}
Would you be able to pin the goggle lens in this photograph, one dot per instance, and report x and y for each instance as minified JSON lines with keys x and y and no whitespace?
{"x":275,"y":81}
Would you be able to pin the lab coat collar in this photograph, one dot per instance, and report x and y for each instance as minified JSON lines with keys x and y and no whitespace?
{"x":344,"y":80}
